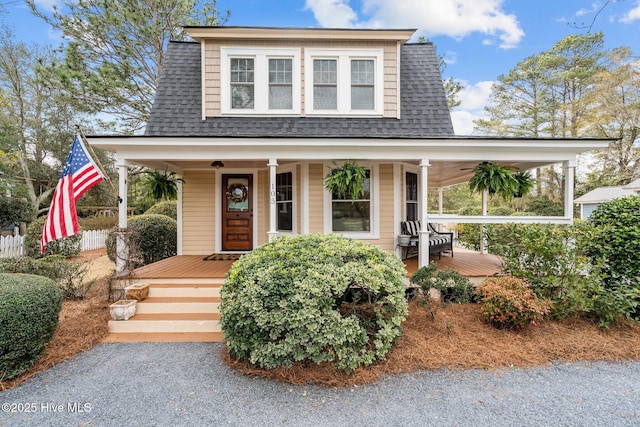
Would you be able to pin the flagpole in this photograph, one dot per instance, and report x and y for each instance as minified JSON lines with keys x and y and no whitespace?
{"x":86,"y":144}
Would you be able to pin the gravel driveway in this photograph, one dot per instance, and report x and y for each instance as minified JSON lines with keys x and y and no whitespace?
{"x":175,"y":384}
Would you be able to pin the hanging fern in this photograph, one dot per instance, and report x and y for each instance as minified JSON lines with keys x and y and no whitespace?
{"x":347,"y":181}
{"x":525,"y":183}
{"x":495,"y":179}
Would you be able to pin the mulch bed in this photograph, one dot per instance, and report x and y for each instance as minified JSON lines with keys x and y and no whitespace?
{"x":457,"y":338}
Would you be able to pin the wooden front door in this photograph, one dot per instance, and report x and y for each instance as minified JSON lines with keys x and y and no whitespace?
{"x":237,"y":213}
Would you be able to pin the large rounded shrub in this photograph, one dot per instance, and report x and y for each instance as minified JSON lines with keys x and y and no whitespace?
{"x":66,"y":246}
{"x":319,"y":298}
{"x":619,"y":245}
{"x":153,"y":238}
{"x":166,"y":207}
{"x":29,"y":309}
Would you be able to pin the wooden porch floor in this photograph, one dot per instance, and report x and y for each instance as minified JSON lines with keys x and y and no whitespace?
{"x":466,"y":262}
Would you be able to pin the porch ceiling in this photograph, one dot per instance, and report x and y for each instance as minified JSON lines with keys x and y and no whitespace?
{"x":451,"y":159}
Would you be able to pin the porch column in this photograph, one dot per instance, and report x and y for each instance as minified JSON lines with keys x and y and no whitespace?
{"x":569,"y":169}
{"x":122,"y":251}
{"x":273,"y":219}
{"x":483,"y":241}
{"x":423,"y":258}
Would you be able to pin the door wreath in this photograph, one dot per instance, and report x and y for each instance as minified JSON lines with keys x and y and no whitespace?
{"x":237,"y":193}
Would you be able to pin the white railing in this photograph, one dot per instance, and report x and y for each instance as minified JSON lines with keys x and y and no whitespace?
{"x":13,"y":246}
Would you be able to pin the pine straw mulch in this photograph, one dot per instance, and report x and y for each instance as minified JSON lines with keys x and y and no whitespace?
{"x":457,"y":338}
{"x":82,"y":325}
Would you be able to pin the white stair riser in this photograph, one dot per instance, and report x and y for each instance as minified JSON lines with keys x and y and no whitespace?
{"x":183,"y":292}
{"x":142,"y":326}
{"x":178,"y":307}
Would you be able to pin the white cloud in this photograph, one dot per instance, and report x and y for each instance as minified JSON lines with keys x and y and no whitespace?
{"x":473,"y":99}
{"x":332,"y":13}
{"x":454,"y":18}
{"x":632,"y":15}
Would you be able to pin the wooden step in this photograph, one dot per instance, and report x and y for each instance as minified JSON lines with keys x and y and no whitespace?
{"x":192,"y":290}
{"x":179,"y":305}
{"x":165,"y":337}
{"x":175,"y":322}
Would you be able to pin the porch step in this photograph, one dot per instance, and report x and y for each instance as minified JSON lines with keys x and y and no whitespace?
{"x":169,"y":323}
{"x":167,"y":290}
{"x":165,"y":337}
{"x":173,"y":312}
{"x":179,"y":305}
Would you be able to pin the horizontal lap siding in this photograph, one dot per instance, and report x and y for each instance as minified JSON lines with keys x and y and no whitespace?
{"x":316,"y":199}
{"x":262,"y":207}
{"x":198,"y":213}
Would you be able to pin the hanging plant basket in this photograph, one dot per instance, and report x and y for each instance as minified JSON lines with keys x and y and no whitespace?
{"x":347,"y":181}
{"x":495,"y":179}
{"x":525,"y":183}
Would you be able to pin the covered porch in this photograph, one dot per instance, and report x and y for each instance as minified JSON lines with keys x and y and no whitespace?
{"x":469,"y":263}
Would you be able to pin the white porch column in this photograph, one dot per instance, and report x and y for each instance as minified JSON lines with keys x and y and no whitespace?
{"x":483,"y":241}
{"x":179,"y":218}
{"x":569,"y":169}
{"x":273,"y":219}
{"x":423,"y":243}
{"x":122,"y":250}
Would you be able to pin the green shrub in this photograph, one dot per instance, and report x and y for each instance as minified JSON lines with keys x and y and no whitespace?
{"x":167,"y":207}
{"x":619,"y":244}
{"x":551,"y":258}
{"x":313,"y":298}
{"x":509,"y":303}
{"x":152,"y":238}
{"x":29,"y":309}
{"x":98,"y":222}
{"x":67,"y":246}
{"x":14,"y":210}
{"x":69,"y":276}
{"x":544,"y":206}
{"x":453,"y":286}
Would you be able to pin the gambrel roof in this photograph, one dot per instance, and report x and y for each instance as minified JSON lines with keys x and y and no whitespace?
{"x":177,"y":109}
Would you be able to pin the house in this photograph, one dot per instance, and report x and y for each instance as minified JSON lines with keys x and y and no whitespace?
{"x":253,"y":118}
{"x":591,"y":200}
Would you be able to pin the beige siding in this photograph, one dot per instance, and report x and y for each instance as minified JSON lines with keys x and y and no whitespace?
{"x":316,"y":199}
{"x":387,"y":202}
{"x":212,"y":68}
{"x":198,"y":213}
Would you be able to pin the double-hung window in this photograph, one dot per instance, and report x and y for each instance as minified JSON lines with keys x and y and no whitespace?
{"x":344,"y":82}
{"x":284,"y":201}
{"x":357,"y":218}
{"x":260,"y":81}
{"x":411,"y":196}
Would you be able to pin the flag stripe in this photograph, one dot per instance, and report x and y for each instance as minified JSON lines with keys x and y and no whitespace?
{"x":80,"y":173}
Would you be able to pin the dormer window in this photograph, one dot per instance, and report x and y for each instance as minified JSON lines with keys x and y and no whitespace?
{"x":344,"y":82}
{"x":260,"y":81}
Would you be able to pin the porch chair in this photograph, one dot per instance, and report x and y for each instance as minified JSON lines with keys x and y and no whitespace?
{"x":439,"y":242}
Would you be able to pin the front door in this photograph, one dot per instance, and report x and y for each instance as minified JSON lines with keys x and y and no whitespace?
{"x":237,"y":213}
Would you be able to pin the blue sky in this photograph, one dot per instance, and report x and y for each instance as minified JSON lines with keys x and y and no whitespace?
{"x":480,"y":39}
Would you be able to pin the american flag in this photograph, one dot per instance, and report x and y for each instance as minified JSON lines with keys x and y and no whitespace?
{"x":80,"y":173}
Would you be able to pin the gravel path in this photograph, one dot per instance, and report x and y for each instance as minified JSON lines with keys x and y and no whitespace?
{"x":175,"y":384}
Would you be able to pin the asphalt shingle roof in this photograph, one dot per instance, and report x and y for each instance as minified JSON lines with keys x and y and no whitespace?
{"x":177,"y":109}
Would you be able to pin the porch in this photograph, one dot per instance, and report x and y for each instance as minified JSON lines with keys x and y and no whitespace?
{"x":184,"y":295}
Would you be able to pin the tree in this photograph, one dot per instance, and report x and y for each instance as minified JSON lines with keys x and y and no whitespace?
{"x":548,"y":95}
{"x":615,"y":113}
{"x":115,"y":51}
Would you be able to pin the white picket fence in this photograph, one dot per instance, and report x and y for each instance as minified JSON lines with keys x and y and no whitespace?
{"x":13,"y":246}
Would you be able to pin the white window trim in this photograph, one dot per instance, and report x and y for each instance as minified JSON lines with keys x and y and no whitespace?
{"x":261,"y":79}
{"x":374,"y":233}
{"x":343,"y":57}
{"x":294,"y":202}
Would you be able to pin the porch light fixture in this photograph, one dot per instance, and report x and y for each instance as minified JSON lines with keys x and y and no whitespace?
{"x":217,"y":164}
